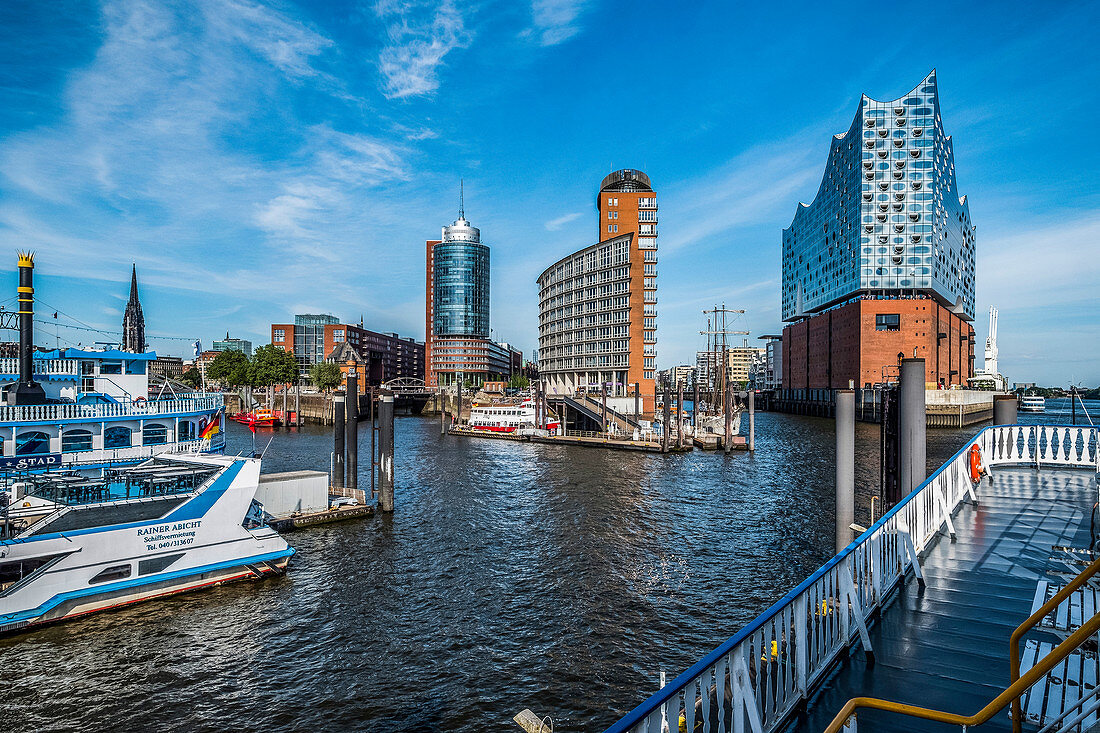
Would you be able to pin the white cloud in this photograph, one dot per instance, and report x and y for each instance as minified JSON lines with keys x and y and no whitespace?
{"x":555,"y":21}
{"x":417,"y":45}
{"x":555,"y":224}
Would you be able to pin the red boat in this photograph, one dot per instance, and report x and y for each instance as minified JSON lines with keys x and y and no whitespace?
{"x":259,"y":418}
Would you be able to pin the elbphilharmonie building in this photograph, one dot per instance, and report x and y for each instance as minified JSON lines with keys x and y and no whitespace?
{"x":887,"y":224}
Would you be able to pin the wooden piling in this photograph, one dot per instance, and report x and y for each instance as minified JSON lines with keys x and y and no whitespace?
{"x":352,"y":428}
{"x":385,"y":451}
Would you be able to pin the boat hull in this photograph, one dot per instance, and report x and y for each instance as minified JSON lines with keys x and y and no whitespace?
{"x":75,"y":563}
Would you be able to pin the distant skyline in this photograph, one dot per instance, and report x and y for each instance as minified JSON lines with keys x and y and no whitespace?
{"x":261,"y":160}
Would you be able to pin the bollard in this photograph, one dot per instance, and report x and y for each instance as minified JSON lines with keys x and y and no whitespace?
{"x":458,"y":412}
{"x":1004,"y":409}
{"x":680,"y":414}
{"x":385,"y":451}
{"x":666,"y":425}
{"x":603,"y":408}
{"x":338,"y":440}
{"x":912,"y":425}
{"x":695,"y":403}
{"x":845,"y":466}
{"x":729,"y":418}
{"x":752,"y":420}
{"x":442,"y":412}
{"x":351,"y":465}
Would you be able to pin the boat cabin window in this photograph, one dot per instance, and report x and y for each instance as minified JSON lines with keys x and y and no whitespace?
{"x":115,"y":572}
{"x":117,"y":437}
{"x":135,"y":367}
{"x":76,"y":440}
{"x":186,"y":430}
{"x":31,"y":442}
{"x":110,"y":367}
{"x":154,"y":434}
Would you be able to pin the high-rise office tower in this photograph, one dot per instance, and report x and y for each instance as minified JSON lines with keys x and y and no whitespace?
{"x":458,"y":338}
{"x":881,"y":263}
{"x":598,"y":306}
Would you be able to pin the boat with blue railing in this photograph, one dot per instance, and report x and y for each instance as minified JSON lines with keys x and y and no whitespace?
{"x":72,"y":545}
{"x":82,"y":528}
{"x":86,"y":410}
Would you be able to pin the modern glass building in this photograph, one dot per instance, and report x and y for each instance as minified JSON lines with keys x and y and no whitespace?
{"x":460,"y":266}
{"x":887,"y":219}
{"x":881,"y":265}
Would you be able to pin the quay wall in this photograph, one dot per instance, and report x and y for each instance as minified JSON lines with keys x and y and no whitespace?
{"x":953,"y":408}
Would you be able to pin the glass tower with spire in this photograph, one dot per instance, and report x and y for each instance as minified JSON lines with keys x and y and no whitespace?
{"x":461,"y":280}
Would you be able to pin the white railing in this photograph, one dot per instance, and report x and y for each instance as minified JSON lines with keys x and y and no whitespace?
{"x":68,"y":367}
{"x":185,"y":404}
{"x":138,"y":452}
{"x":759,"y":676}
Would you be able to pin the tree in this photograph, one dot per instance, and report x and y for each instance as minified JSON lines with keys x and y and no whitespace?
{"x":519,"y":381}
{"x":274,"y":365}
{"x":230,"y":367}
{"x":192,"y":378}
{"x":325,"y":376}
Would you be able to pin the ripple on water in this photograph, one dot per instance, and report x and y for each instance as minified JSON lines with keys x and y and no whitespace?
{"x":511,"y":576}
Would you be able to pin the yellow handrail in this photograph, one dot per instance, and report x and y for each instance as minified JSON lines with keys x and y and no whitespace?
{"x":1014,"y":641}
{"x":1012,"y":693}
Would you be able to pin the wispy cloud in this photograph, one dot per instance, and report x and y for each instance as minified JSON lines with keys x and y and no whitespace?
{"x":421,"y":35}
{"x":555,"y":224}
{"x":555,"y":21}
{"x":761,"y":185}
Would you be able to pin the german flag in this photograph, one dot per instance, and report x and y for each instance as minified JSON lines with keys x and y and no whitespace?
{"x":212,"y":428}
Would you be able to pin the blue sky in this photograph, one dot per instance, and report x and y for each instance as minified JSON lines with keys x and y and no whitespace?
{"x":261,"y":160}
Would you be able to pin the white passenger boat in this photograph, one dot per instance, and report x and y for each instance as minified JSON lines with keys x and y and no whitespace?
{"x":1032,"y":403}
{"x":86,"y":410}
{"x":71,"y":545}
{"x":505,"y":418}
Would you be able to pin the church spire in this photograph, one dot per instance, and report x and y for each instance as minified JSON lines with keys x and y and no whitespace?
{"x":133,"y":320}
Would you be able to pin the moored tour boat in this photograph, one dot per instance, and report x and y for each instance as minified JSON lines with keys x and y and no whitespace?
{"x":502,"y":418}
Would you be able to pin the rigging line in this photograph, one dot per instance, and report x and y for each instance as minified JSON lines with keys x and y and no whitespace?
{"x":74,"y":318}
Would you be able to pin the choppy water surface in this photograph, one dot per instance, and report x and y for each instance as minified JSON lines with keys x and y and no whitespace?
{"x":511,"y":576}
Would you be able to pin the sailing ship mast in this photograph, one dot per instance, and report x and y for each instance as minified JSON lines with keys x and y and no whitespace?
{"x":718,"y":354}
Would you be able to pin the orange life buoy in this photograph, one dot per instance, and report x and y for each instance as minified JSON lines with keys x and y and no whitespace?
{"x":976,"y":467}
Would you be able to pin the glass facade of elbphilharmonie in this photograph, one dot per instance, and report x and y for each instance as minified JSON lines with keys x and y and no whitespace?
{"x":887,"y":219}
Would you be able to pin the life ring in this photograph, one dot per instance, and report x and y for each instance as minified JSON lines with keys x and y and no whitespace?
{"x":139,"y":399}
{"x":977,"y":469}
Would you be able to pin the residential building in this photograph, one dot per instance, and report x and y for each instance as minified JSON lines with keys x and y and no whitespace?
{"x":882,"y":263}
{"x":681,"y":373}
{"x":168,"y":367}
{"x":233,"y":344}
{"x":773,"y":369}
{"x":741,"y":363}
{"x":598,"y":306}
{"x":456,"y":311}
{"x":313,"y":338}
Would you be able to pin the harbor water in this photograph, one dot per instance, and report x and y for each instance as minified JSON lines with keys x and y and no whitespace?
{"x":512,"y":575}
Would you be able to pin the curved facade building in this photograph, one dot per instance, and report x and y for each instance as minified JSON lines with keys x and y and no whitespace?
{"x":460,"y":265}
{"x":881,"y":264}
{"x":887,"y":218}
{"x":598,"y":306}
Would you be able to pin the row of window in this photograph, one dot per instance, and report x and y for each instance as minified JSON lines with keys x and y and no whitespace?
{"x":74,"y":441}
